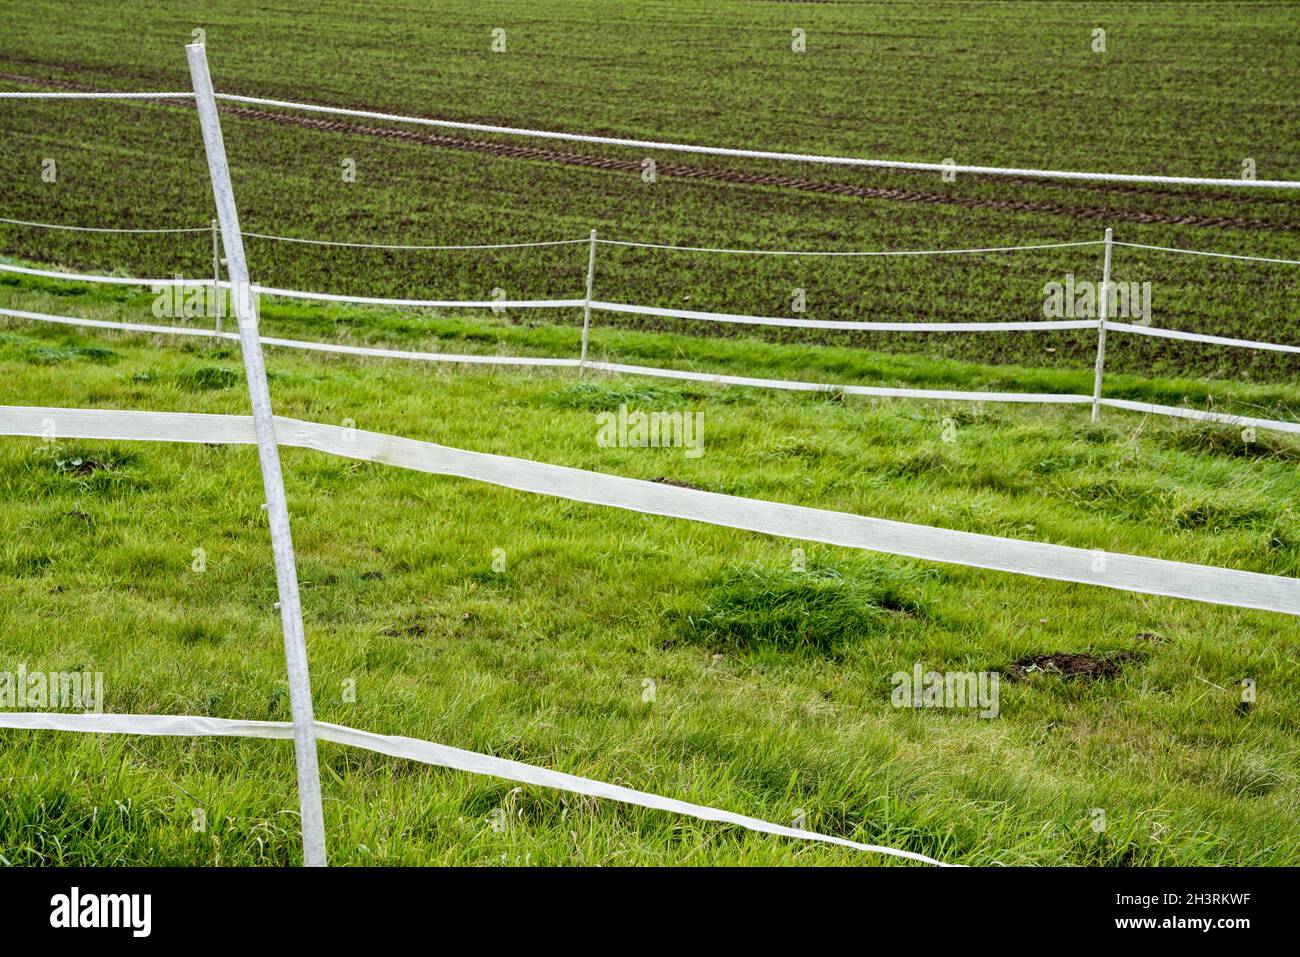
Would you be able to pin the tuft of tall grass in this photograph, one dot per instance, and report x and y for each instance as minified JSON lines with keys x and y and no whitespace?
{"x":825,"y":609}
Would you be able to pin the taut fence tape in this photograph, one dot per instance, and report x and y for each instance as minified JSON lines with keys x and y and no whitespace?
{"x":760,"y":154}
{"x":889,"y":392}
{"x":421,"y":303}
{"x":669,"y":146}
{"x":1199,"y":337}
{"x":99,"y":278}
{"x":1153,"y":576}
{"x":366,"y":351}
{"x":1031,"y":325}
{"x":882,"y":392}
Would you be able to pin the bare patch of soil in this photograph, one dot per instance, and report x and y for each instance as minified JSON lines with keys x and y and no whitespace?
{"x":1071,"y":665}
{"x":676,"y":483}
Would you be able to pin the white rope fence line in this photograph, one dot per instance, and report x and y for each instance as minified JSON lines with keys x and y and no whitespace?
{"x":756,"y":154}
{"x":1132,"y":573}
{"x":425,"y":752}
{"x":299,"y":294}
{"x":103,"y":229}
{"x":836,"y":252}
{"x":403,"y":246}
{"x":664,"y":246}
{"x":561,"y":242}
{"x":1042,"y":398}
{"x":1201,"y":252}
{"x":379,"y":353}
{"x":170,"y":95}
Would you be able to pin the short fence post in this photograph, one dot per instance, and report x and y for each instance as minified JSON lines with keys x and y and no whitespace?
{"x":1103,"y":312}
{"x":586,"y":307}
{"x":217,"y":305}
{"x":295,"y":646}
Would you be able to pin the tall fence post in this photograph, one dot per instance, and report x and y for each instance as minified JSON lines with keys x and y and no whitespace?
{"x":586,"y":308}
{"x":218,"y":306}
{"x":295,"y":646}
{"x":1103,"y":312}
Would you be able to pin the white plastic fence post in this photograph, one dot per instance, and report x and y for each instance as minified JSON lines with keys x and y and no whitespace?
{"x":295,"y":647}
{"x":1103,"y":312}
{"x":586,"y":308}
{"x":218,"y":306}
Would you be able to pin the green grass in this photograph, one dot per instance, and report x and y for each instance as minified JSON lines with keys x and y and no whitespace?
{"x":772,"y":686}
{"x":675,"y":346}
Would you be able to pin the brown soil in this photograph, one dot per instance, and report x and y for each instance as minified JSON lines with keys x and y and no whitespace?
{"x":1071,"y":665}
{"x":85,"y":467}
{"x":676,"y":483}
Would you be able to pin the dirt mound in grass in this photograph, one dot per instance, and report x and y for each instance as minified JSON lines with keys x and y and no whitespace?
{"x":676,"y":483}
{"x":1071,"y":665}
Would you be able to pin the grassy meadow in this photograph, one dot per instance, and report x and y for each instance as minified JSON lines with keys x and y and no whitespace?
{"x":698,"y":662}
{"x":772,"y":685}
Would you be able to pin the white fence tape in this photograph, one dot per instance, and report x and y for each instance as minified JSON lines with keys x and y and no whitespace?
{"x":1038,"y":559}
{"x":1045,"y":398}
{"x":1032,"y":325}
{"x":298,"y":293}
{"x":452,"y":357}
{"x":632,"y":309}
{"x":121,"y":326}
{"x":760,"y":154}
{"x":421,"y":303}
{"x":425,"y":752}
{"x":1199,"y":337}
{"x":98,"y":278}
{"x":887,"y":392}
{"x":1202,"y":415}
